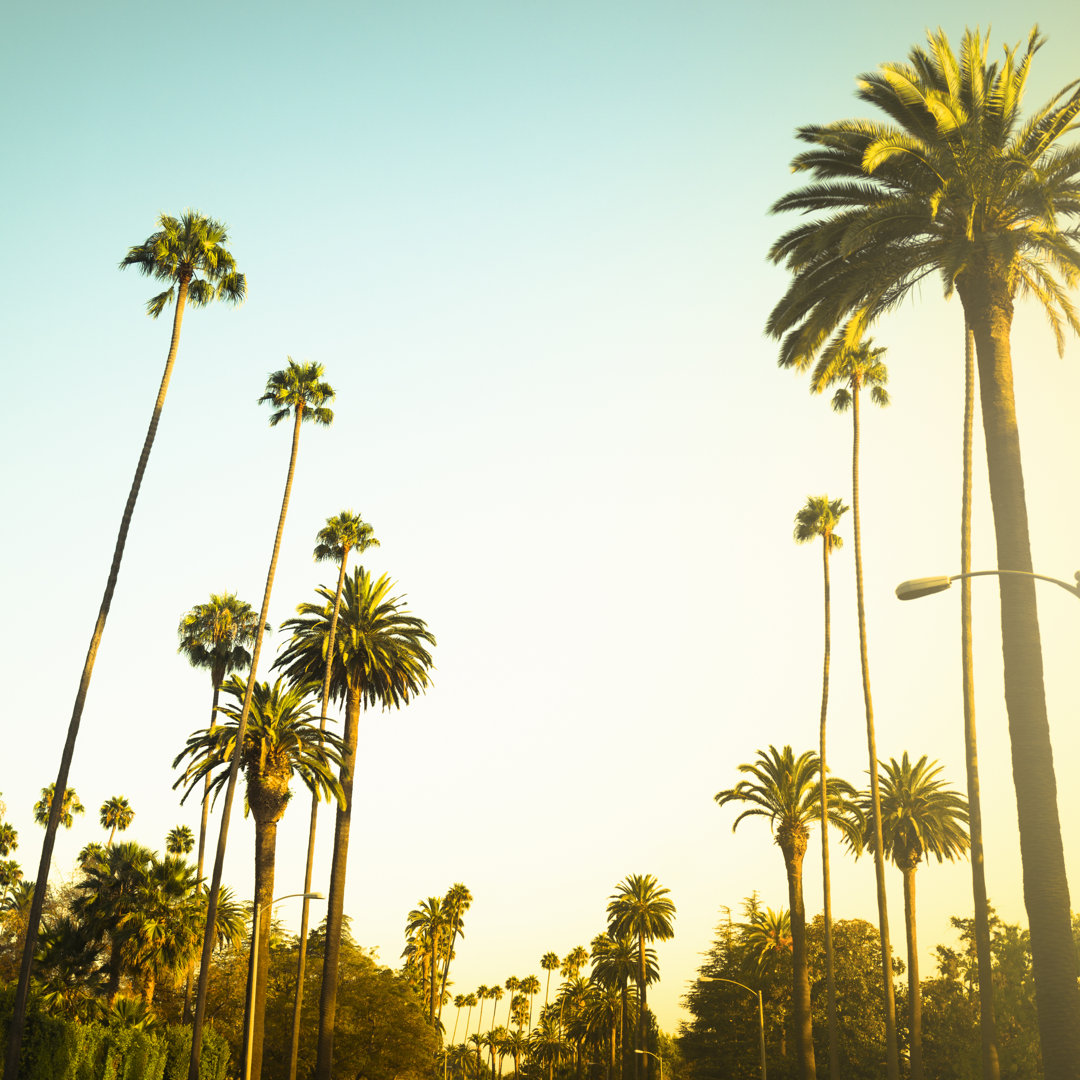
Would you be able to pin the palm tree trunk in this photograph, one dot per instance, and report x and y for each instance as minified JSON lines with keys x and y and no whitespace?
{"x":255,"y":1014}
{"x":991,"y":1069}
{"x":18,"y":1016}
{"x":892,"y":1062}
{"x":230,"y":790}
{"x":830,"y":974}
{"x":800,"y":983}
{"x":643,"y":1068}
{"x":301,"y":963}
{"x":1046,"y":887}
{"x":914,"y":992}
{"x":336,"y":898}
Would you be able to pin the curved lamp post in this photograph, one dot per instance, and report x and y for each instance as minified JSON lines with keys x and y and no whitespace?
{"x":658,"y":1058}
{"x":253,"y":970}
{"x":760,"y":1011}
{"x":924,"y":586}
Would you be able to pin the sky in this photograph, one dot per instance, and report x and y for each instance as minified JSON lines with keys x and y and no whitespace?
{"x":528,"y":242}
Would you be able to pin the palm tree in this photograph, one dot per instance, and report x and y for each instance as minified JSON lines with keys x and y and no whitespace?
{"x":546,"y":1043}
{"x":960,"y":184}
{"x":180,"y":840}
{"x":279,"y":743}
{"x":530,"y":986}
{"x":340,"y":535}
{"x":819,"y":518}
{"x":481,"y":997}
{"x":919,"y":816}
{"x":215,"y":637}
{"x":190,"y":253}
{"x":426,"y":931}
{"x":297,"y":391}
{"x":115,"y":814}
{"x":457,"y":901}
{"x":574,"y":961}
{"x":549,"y":962}
{"x":768,"y":937}
{"x":614,"y":964}
{"x":512,"y":984}
{"x":786,"y":790}
{"x":640,"y":908}
{"x":69,"y":807}
{"x":470,"y":1003}
{"x":380,"y":656}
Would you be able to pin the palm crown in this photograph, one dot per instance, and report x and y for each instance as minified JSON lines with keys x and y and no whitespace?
{"x":298,"y":390}
{"x":850,"y":368}
{"x":189,"y":250}
{"x":818,"y":518}
{"x":346,"y":532}
{"x":214,"y":636}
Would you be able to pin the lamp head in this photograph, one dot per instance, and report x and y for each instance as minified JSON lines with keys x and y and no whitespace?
{"x":923,"y":586}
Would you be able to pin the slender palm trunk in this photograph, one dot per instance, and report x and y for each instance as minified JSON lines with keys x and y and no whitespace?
{"x":914,"y":992}
{"x":644,"y":1059}
{"x":830,"y":974}
{"x":991,"y":1069}
{"x":1046,"y":888}
{"x":446,"y":961}
{"x":209,"y":935}
{"x":794,"y":851}
{"x":336,"y":898}
{"x":255,"y":1013}
{"x":18,"y":1016}
{"x":301,"y":963}
{"x":892,"y":1062}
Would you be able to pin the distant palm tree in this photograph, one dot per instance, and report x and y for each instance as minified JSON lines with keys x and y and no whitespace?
{"x":512,"y":984}
{"x":297,"y":391}
{"x":481,"y":997}
{"x":574,"y":961}
{"x":470,"y":1004}
{"x":640,"y":907}
{"x":919,"y":816}
{"x":549,"y":962}
{"x":786,"y":790}
{"x":768,"y":937}
{"x":180,"y":840}
{"x":190,"y":253}
{"x":530,"y":986}
{"x":116,"y":815}
{"x":69,"y":806}
{"x":427,"y":929}
{"x":457,"y":901}
{"x":380,"y":657}
{"x":615,"y":964}
{"x":818,"y":520}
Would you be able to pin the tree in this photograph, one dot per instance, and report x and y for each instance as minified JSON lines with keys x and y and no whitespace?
{"x":297,"y":391}
{"x":180,"y":840}
{"x":69,"y":807}
{"x":818,"y":519}
{"x":279,"y":743}
{"x":530,"y":986}
{"x":959,"y":184}
{"x":190,"y":253}
{"x":426,"y":931}
{"x":919,"y":816}
{"x":115,"y":814}
{"x":640,"y":907}
{"x":615,"y":965}
{"x":786,"y":790}
{"x":457,"y":901}
{"x":380,"y":656}
{"x":549,"y":962}
{"x":340,"y":535}
{"x":215,"y":637}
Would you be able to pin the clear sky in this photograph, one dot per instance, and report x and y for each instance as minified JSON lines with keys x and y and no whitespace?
{"x":527,"y":242}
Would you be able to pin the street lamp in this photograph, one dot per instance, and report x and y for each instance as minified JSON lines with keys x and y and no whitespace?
{"x":255,"y":967}
{"x":924,"y":586}
{"x":658,"y":1058}
{"x":760,"y":1011}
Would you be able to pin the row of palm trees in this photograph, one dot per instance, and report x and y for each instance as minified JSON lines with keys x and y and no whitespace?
{"x":956,"y":182}
{"x":920,"y":817}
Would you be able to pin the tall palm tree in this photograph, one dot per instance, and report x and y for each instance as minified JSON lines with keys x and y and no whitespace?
{"x":115,"y":814}
{"x":768,"y":937}
{"x":615,"y":964}
{"x":215,"y":637}
{"x":920,"y":816}
{"x":574,"y":961}
{"x":297,"y":391}
{"x":786,"y":790}
{"x":640,"y":907}
{"x":530,"y":986}
{"x":481,"y":997}
{"x":427,"y":929}
{"x":380,"y":656}
{"x":512,"y":984}
{"x":280,"y":742}
{"x":549,"y":962}
{"x":470,"y":1004}
{"x":818,"y":519}
{"x":457,"y":901}
{"x":958,"y":183}
{"x":336,"y":539}
{"x":180,"y":840}
{"x":189,"y":252}
{"x":69,"y":807}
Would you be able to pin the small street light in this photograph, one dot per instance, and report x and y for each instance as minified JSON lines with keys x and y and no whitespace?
{"x":924,"y":586}
{"x":658,"y":1058}
{"x":760,"y":1011}
{"x":255,"y":966}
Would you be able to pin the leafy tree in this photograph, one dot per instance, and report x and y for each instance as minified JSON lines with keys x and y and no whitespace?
{"x":190,"y":253}
{"x":960,"y":184}
{"x":115,"y":814}
{"x":297,"y":391}
{"x":380,"y":657}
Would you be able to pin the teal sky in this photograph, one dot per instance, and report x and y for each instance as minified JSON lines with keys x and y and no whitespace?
{"x":527,"y":241}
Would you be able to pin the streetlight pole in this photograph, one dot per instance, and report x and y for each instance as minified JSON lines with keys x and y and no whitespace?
{"x":760,"y":1011}
{"x":658,"y":1058}
{"x":254,"y":968}
{"x":924,"y":586}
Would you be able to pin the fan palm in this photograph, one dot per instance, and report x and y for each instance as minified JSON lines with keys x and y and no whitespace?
{"x":786,"y":790}
{"x":818,"y":519}
{"x":959,"y":184}
{"x":380,"y":656}
{"x":69,"y":807}
{"x":530,"y":986}
{"x":180,"y":840}
{"x":549,"y":962}
{"x":297,"y":391}
{"x":457,"y":901}
{"x":280,"y":742}
{"x":336,"y":539}
{"x":115,"y":815}
{"x":190,"y":253}
{"x":614,"y":965}
{"x":919,"y":817}
{"x":427,"y":930}
{"x":640,"y":908}
{"x":215,"y":637}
